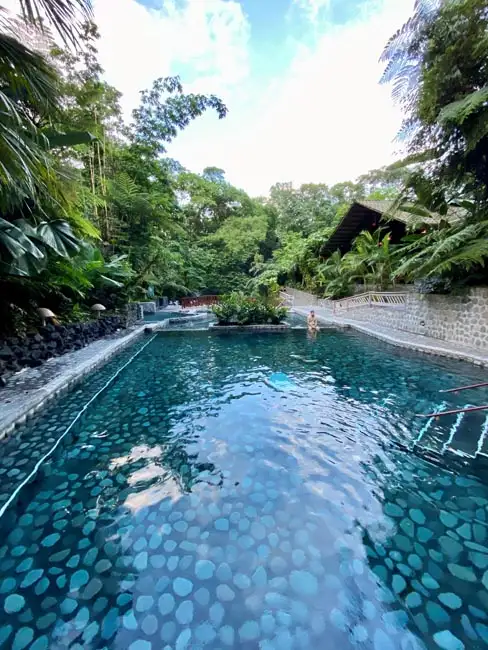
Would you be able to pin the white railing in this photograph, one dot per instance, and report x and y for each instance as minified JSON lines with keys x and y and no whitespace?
{"x":287,"y":300}
{"x":371,"y":299}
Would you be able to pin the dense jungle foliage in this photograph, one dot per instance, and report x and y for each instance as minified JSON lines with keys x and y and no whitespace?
{"x":437,"y":65}
{"x":93,"y":209}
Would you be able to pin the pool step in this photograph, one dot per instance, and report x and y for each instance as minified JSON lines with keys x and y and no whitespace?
{"x":482,"y":451}
{"x":467,"y":436}
{"x":460,"y":434}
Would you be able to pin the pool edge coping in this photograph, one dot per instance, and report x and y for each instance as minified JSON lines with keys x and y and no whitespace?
{"x":30,"y":404}
{"x":429,"y":347}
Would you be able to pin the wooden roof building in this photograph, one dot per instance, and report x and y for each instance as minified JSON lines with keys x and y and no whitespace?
{"x":371,"y":215}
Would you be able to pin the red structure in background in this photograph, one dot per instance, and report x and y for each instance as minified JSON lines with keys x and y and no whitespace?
{"x":200,"y":301}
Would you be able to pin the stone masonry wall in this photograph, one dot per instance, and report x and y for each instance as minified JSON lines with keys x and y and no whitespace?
{"x":51,"y":341}
{"x":459,"y":319}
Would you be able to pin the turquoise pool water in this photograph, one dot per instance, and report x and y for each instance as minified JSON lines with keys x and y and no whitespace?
{"x":160,"y":316}
{"x":207,"y":501}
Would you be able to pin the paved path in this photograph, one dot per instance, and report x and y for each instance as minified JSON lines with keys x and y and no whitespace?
{"x":28,"y":390}
{"x":399,"y":338}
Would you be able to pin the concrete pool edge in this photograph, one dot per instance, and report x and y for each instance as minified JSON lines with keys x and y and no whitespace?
{"x":402,"y":339}
{"x":17,"y":404}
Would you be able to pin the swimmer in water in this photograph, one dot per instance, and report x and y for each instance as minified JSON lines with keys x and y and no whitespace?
{"x":312,"y":322}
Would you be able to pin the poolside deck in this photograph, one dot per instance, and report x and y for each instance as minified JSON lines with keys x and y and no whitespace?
{"x":416,"y":342}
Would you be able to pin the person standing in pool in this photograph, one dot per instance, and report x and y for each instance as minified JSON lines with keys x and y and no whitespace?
{"x":312,"y":322}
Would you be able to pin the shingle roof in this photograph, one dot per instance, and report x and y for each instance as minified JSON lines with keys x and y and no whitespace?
{"x":386,"y":209}
{"x":364,"y":215}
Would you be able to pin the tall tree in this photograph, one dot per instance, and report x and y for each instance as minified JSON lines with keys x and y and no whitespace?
{"x":438,"y":64}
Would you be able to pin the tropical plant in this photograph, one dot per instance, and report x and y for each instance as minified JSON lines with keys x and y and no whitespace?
{"x":334,"y":278}
{"x":25,"y":247}
{"x":29,"y":93}
{"x":65,"y":16}
{"x":438,"y":64}
{"x":239,"y":309}
{"x":371,"y":259}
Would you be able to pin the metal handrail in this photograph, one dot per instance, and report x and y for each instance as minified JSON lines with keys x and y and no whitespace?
{"x":287,"y":300}
{"x":371,"y":299}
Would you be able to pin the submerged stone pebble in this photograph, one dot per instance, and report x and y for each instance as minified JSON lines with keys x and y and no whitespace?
{"x":14,"y":603}
{"x":249,"y":631}
{"x":304,"y":583}
{"x":225,"y":593}
{"x":447,"y":641}
{"x":205,"y":633}
{"x":22,"y":638}
{"x":204,"y":569}
{"x":216,"y":614}
{"x":450,"y":600}
{"x":224,"y":572}
{"x":202,"y":596}
{"x":227,"y":635}
{"x":184,"y":613}
{"x":182,"y":587}
{"x":462,"y":572}
{"x":79,"y":579}
{"x":241,"y":581}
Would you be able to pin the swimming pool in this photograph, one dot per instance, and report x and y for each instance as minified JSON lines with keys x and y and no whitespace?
{"x":160,"y":316}
{"x":200,"y":504}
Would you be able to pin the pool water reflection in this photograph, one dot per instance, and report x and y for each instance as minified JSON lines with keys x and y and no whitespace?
{"x":201,"y":506}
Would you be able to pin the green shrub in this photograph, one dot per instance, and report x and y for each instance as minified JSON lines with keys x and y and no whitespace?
{"x":238,"y":309}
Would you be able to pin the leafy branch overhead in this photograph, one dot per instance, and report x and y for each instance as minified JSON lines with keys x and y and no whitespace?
{"x":160,"y":117}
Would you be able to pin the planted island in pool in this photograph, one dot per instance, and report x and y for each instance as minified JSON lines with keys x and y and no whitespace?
{"x":238,"y":310}
{"x":198,"y":506}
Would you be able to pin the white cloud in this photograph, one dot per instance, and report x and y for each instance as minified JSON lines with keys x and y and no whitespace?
{"x":139,"y":44}
{"x":325,"y":120}
{"x":312,"y":8}
{"x":328,"y":120}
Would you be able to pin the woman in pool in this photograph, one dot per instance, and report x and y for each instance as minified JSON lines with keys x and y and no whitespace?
{"x":312,"y":322}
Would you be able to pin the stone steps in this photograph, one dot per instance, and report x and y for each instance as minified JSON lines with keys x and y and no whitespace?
{"x":463,"y":434}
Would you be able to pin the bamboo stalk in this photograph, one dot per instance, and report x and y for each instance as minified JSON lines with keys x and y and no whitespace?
{"x":455,"y":390}
{"x":453,"y":412}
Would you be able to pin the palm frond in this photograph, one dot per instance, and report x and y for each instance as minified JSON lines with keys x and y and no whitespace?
{"x":28,"y":87}
{"x":26,"y":76}
{"x":65,"y":16}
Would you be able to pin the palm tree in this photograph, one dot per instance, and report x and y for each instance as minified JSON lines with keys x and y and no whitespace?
{"x":371,"y":259}
{"x":335,"y":277}
{"x":403,"y":54}
{"x":28,"y":98}
{"x":65,"y":16}
{"x":29,"y":92}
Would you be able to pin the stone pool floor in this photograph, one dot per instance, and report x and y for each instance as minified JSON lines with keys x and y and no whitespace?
{"x":19,"y":456}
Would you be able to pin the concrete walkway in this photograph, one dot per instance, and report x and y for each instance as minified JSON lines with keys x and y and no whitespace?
{"x":399,"y":338}
{"x":28,"y":390}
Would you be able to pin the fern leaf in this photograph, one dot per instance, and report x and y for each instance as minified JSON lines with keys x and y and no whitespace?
{"x":457,"y":112}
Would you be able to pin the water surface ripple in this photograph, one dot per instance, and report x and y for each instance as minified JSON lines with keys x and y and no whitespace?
{"x":250,"y":491}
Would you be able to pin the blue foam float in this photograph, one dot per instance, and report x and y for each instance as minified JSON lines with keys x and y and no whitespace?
{"x":280,"y":381}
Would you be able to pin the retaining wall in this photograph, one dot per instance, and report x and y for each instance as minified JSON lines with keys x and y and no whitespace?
{"x":51,"y":341}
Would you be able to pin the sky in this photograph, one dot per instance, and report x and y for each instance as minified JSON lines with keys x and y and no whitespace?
{"x":299,"y":77}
